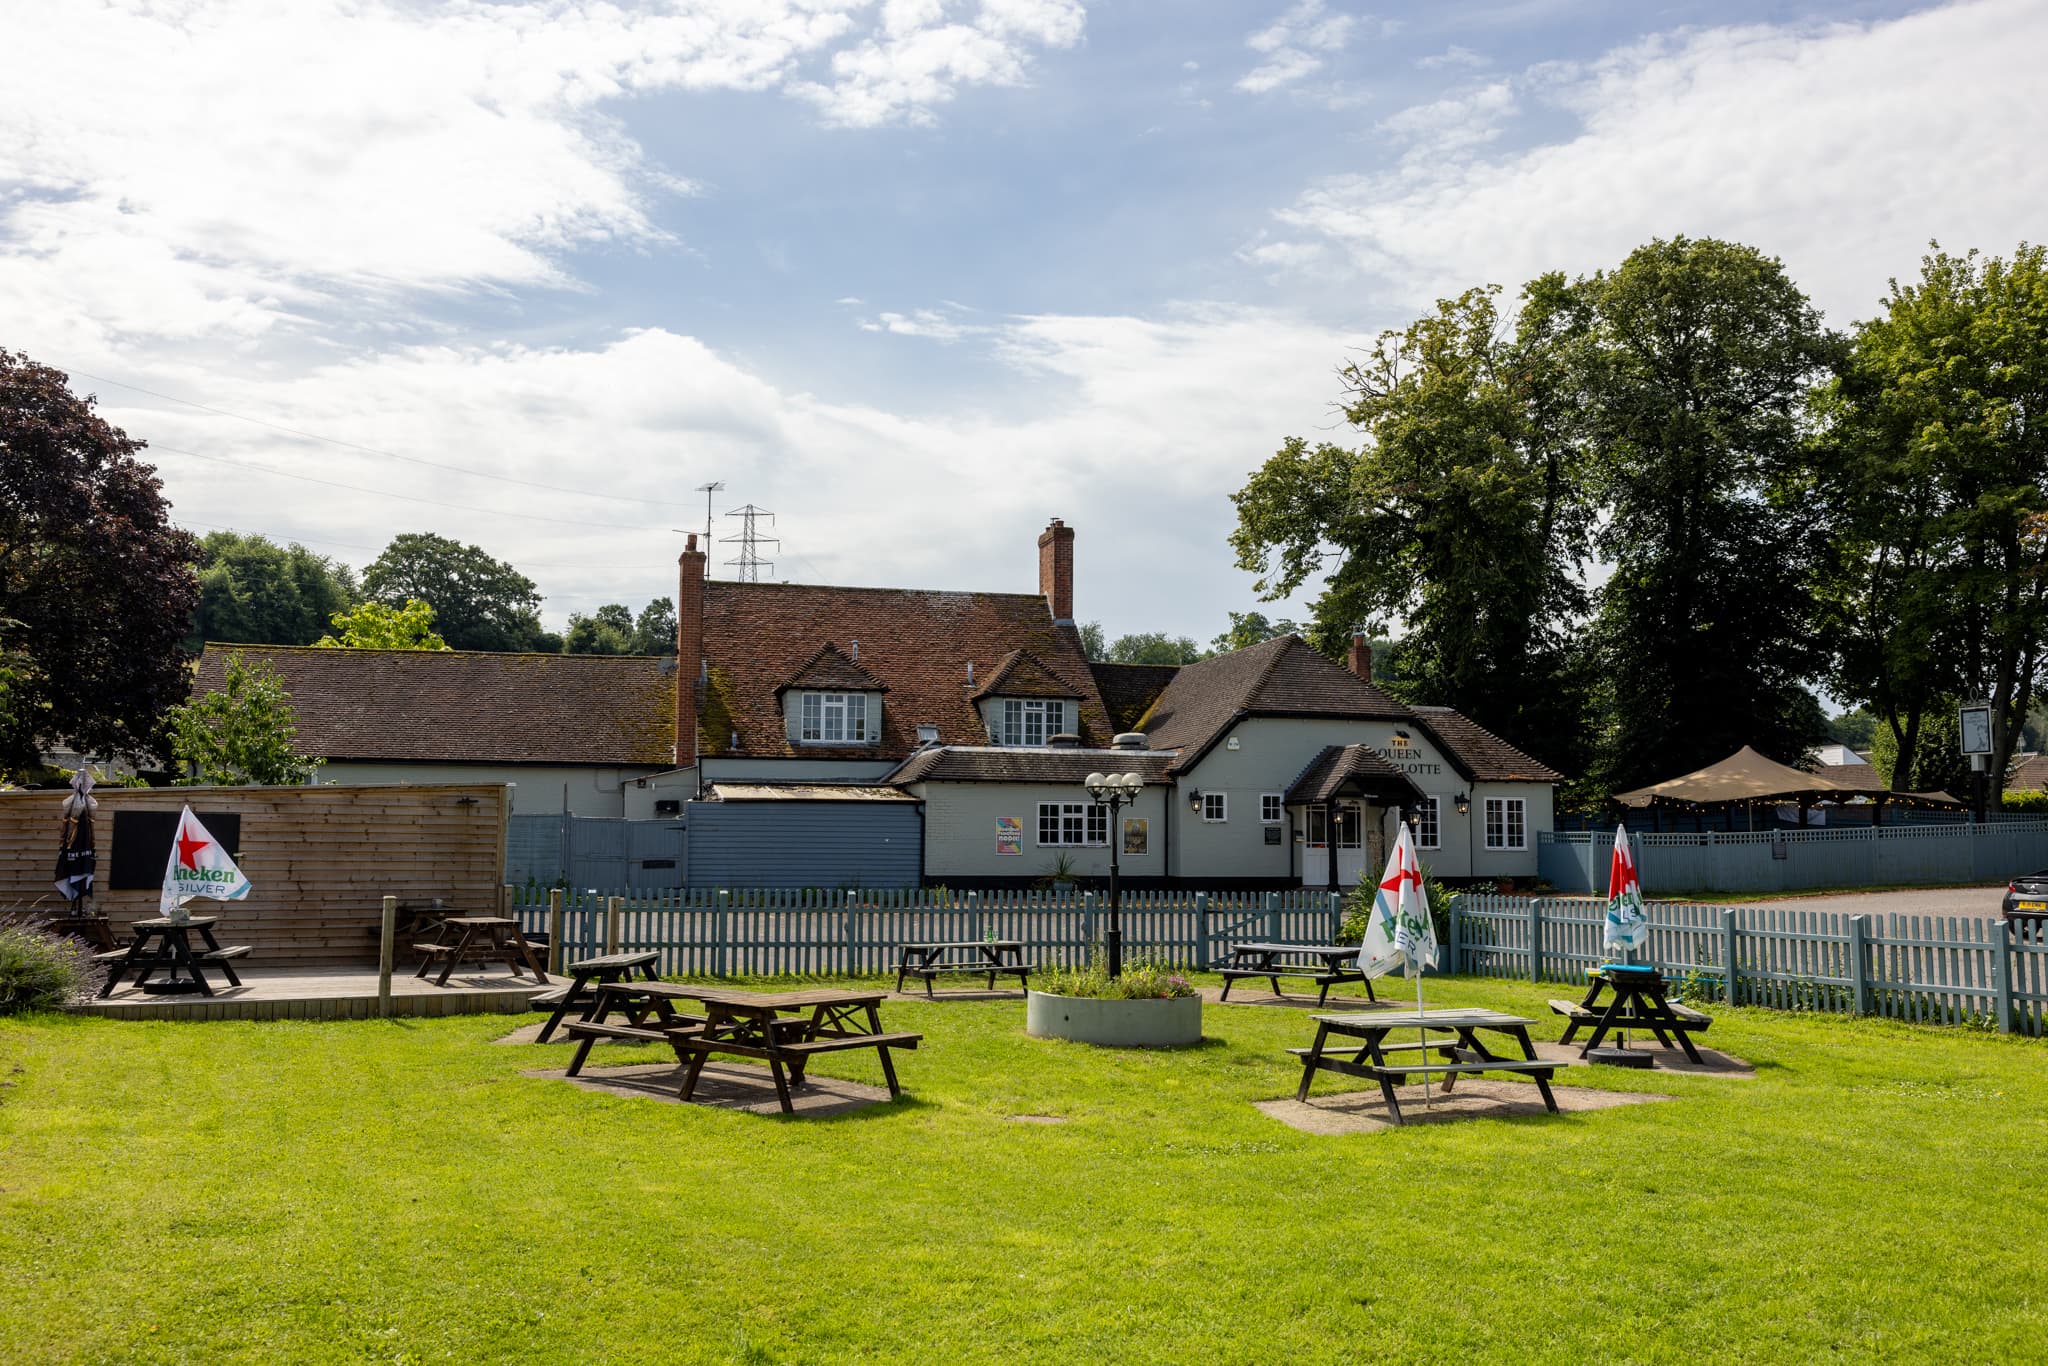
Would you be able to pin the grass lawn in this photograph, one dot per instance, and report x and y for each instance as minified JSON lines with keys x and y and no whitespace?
{"x":397,"y":1191}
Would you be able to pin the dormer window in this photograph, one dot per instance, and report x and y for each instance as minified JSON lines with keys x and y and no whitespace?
{"x":1030,"y":720}
{"x":835,"y":718}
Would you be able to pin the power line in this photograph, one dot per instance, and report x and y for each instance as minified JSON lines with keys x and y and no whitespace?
{"x":374,"y":450}
{"x":385,"y":493}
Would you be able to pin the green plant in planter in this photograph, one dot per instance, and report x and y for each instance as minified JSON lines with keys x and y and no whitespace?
{"x":41,"y":971}
{"x":1060,"y":872}
{"x":1142,"y":980}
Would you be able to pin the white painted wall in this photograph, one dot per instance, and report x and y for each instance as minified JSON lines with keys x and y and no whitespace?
{"x":1272,"y":753}
{"x":586,"y":790}
{"x":960,"y":831}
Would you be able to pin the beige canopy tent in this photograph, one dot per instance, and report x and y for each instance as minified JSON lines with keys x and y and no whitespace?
{"x":1747,"y":778}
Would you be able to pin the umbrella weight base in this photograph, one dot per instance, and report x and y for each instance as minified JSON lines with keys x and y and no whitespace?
{"x":1621,"y":1057}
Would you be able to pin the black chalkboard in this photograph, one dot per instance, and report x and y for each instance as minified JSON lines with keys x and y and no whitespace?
{"x":142,"y":845}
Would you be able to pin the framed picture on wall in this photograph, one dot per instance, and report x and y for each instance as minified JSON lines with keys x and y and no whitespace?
{"x":1136,"y":831}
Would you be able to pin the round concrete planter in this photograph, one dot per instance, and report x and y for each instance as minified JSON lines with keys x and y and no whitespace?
{"x":1115,"y":1024}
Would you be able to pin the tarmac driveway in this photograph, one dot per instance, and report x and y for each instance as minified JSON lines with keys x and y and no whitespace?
{"x":1980,"y":902}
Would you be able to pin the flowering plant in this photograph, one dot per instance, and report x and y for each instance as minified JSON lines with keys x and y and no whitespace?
{"x":1142,"y":980}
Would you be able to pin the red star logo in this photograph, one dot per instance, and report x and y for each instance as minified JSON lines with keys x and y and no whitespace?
{"x":187,"y":848}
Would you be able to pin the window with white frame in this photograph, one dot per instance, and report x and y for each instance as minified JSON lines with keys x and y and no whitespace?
{"x":1269,"y":808}
{"x":1215,"y":807}
{"x":835,"y":718}
{"x":1030,"y":721}
{"x":1428,"y":833}
{"x":1072,"y":824}
{"x":1317,"y":827}
{"x":1350,"y":826}
{"x":1507,"y":823}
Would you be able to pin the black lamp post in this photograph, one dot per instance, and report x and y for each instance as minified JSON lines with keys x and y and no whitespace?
{"x":1115,"y":791}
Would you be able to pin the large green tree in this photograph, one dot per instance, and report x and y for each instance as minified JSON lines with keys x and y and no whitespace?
{"x":607,"y":631}
{"x":1461,"y":515}
{"x":479,"y":603}
{"x":96,"y":585}
{"x":1937,"y":462}
{"x":1692,"y":382}
{"x":254,"y":591}
{"x":374,"y":626}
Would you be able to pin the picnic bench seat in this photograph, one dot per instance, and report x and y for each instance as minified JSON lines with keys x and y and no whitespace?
{"x":579,"y":993}
{"x":990,"y":958}
{"x":588,"y":1032}
{"x":833,"y":1045}
{"x":1688,"y":1018}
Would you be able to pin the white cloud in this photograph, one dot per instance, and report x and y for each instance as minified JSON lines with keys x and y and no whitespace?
{"x":920,"y":59}
{"x":1453,"y":125}
{"x":1294,"y":44}
{"x":1842,"y":149}
{"x":1138,"y":429}
{"x":1452,"y":56}
{"x":224,"y":167}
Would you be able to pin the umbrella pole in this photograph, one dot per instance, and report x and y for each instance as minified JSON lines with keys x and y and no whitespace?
{"x":1421,"y":1034}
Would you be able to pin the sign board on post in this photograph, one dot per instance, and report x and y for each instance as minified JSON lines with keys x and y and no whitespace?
{"x":1974,"y":721}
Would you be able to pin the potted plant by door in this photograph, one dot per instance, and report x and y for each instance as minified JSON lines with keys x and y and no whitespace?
{"x":1149,"y":1006}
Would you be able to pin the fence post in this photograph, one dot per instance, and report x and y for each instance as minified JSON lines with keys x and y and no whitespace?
{"x":385,"y":950}
{"x":2001,"y":973}
{"x":614,"y":909}
{"x":505,"y":900}
{"x":1456,"y":949}
{"x":719,"y":959}
{"x":1728,"y":991}
{"x":554,"y":929}
{"x":1087,"y":925}
{"x":1535,"y":938}
{"x":1336,"y":915}
{"x":852,"y":966}
{"x":1199,"y":958}
{"x":1272,"y":917}
{"x":974,"y":912}
{"x":1859,"y":966}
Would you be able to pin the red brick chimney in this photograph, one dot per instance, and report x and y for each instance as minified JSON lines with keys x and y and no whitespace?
{"x":1361,"y":657}
{"x":1056,"y":569}
{"x":689,"y":648}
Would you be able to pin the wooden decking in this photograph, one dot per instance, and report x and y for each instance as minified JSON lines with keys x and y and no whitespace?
{"x":324,"y":994}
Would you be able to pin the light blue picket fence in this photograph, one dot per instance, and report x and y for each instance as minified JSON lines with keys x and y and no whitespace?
{"x":736,"y":931}
{"x":1944,"y":970}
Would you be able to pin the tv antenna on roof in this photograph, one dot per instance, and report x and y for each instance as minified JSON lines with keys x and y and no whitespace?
{"x":707,"y":490}
{"x":750,"y":540}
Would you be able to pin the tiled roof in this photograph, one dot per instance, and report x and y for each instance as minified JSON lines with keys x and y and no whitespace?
{"x":1129,"y":690}
{"x":456,"y":706}
{"x":988,"y":764}
{"x":1281,"y":677}
{"x":1022,"y":674}
{"x":832,"y":669}
{"x":1483,"y":755}
{"x":1348,"y":770}
{"x":920,"y":644}
{"x":1852,"y":775}
{"x":2031,"y":772}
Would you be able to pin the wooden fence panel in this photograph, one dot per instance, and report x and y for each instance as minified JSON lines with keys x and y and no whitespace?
{"x":320,"y":860}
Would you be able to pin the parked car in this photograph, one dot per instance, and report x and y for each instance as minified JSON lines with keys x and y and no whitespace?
{"x":2027,"y":896}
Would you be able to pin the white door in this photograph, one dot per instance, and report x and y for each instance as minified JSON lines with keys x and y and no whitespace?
{"x":1315,"y":849}
{"x":1351,"y":851}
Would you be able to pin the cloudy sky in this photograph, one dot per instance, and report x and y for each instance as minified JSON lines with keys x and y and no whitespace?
{"x":916,"y":275}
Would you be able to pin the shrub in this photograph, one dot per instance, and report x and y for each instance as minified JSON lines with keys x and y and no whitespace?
{"x":2026,"y":799}
{"x":40,"y":971}
{"x":1142,"y":980}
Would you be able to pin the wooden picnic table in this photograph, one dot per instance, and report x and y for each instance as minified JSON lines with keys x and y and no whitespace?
{"x":1464,"y":1056}
{"x":1638,"y":1002}
{"x":746,"y":1024}
{"x":981,"y":957}
{"x":478,"y":939}
{"x":165,"y":945}
{"x":1325,"y":964}
{"x":580,"y":995}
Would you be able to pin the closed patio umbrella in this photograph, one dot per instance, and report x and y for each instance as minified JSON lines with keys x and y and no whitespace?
{"x":76,"y":857}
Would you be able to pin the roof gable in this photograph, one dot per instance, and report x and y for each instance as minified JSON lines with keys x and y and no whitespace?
{"x":832,"y":669}
{"x":1023,"y":674}
{"x":930,"y":650}
{"x":1347,"y":771}
{"x":467,"y":706}
{"x":1279,"y":677}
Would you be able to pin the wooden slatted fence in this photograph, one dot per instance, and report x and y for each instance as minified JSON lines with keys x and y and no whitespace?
{"x":1932,"y":969}
{"x":743,"y":931}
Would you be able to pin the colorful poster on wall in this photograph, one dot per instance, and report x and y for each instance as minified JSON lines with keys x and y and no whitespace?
{"x":1009,"y":834}
{"x":1135,"y":831}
